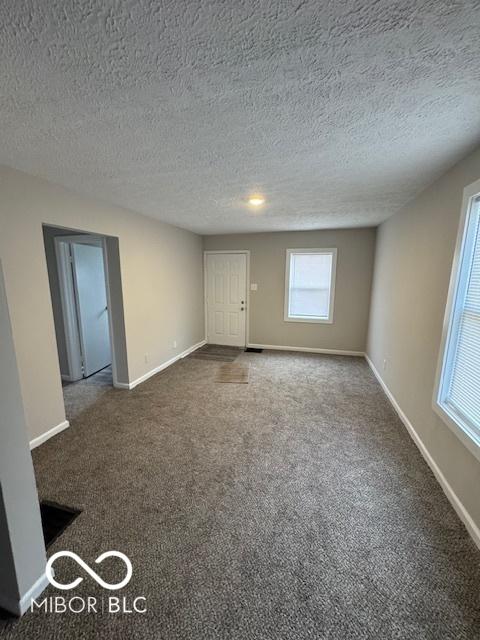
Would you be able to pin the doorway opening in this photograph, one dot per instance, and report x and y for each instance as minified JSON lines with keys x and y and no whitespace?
{"x":81,"y":272}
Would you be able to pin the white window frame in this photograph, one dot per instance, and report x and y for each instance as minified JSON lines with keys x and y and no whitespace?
{"x":465,"y":431}
{"x":310,"y":319}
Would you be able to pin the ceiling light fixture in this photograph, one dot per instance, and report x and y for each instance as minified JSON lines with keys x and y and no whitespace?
{"x":256,"y":200}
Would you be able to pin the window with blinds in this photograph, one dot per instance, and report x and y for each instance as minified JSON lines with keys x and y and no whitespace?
{"x":309,"y":285}
{"x":459,"y":391}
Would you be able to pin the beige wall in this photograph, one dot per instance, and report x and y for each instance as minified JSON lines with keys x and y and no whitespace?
{"x":161,"y":276}
{"x":267,"y":268}
{"x":22,"y":552}
{"x":414,"y":256}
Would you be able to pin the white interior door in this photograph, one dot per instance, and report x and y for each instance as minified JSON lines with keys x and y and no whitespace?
{"x":91,"y":291}
{"x":226,"y":282}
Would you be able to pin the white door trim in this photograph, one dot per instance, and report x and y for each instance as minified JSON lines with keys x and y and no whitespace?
{"x":69,"y":311}
{"x":111,"y":327}
{"x":247,"y":287}
{"x":67,"y":287}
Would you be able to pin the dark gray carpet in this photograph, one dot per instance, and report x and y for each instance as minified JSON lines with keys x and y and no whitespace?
{"x":293,"y":507}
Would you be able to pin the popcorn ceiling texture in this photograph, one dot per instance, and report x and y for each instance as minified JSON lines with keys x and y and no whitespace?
{"x":339,"y":111}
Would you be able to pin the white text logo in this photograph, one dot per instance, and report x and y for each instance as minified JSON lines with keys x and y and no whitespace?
{"x":89,"y":604}
{"x":91,"y":572}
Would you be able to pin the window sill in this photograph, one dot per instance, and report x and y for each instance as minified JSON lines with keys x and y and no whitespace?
{"x":310,"y":319}
{"x":464,"y":432}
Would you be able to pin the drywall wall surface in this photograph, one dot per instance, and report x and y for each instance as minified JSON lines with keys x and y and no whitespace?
{"x":22,"y":550}
{"x":415,"y":249}
{"x":161,"y":276}
{"x":355,"y":256}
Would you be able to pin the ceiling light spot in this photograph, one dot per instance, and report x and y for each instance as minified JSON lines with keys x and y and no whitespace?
{"x":256,"y":200}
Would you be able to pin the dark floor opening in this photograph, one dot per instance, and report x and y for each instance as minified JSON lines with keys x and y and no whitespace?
{"x":55,"y":519}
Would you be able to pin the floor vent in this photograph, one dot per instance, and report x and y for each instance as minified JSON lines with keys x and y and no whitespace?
{"x":253,"y":350}
{"x":55,"y":519}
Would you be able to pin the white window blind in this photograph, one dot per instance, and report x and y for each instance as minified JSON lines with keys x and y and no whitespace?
{"x":460,"y":390}
{"x":309,"y":281}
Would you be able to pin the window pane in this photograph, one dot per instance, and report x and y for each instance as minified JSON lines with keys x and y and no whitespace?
{"x":464,"y":391}
{"x":310,"y":278}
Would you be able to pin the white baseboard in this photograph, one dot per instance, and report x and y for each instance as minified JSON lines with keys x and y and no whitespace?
{"x":121,"y":385}
{"x":454,"y":500}
{"x":335,"y":352}
{"x":48,"y":434}
{"x":161,"y":367}
{"x":19,"y":607}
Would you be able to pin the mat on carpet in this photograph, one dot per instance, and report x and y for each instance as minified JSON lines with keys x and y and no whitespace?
{"x":217,"y":352}
{"x":233,"y":373}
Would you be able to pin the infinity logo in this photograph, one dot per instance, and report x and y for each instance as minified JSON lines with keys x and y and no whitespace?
{"x":91,"y":572}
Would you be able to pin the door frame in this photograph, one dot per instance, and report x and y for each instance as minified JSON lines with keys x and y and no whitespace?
{"x":247,"y":289}
{"x":68,"y":297}
{"x":69,"y":310}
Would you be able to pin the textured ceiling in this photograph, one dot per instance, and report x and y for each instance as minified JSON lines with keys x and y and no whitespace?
{"x":338,"y":111}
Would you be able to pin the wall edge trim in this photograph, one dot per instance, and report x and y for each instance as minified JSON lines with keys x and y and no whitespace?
{"x":36,"y":442}
{"x":161,"y":367}
{"x":19,"y":607}
{"x":277,"y":347}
